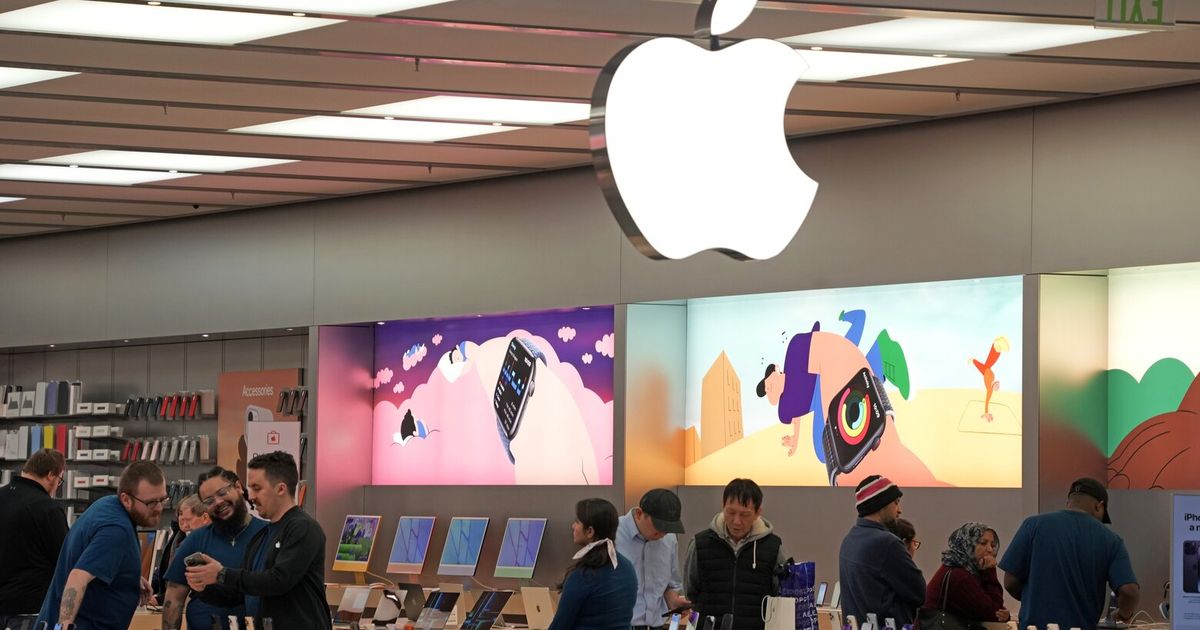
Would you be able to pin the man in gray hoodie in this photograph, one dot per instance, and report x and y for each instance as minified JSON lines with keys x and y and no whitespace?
{"x":734,"y":563}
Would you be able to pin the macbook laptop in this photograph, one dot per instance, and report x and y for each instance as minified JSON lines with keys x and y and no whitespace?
{"x":436,"y":612}
{"x":539,"y":608}
{"x":486,"y":611}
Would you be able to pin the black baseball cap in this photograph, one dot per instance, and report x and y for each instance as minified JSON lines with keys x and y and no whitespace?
{"x":664,"y":510}
{"x":1093,"y":488}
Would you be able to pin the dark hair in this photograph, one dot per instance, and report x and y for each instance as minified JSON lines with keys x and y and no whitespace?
{"x":744,"y":491}
{"x":217,"y":471}
{"x":761,"y":388}
{"x":138,"y":472}
{"x":601,"y":516}
{"x":44,"y":463}
{"x":278,"y":467}
{"x":903,"y":530}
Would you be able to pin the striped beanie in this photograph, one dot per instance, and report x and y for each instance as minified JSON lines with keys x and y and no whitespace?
{"x":874,"y":494}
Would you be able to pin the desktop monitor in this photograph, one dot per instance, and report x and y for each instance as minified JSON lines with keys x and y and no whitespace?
{"x":411,"y":544}
{"x":486,"y":610}
{"x":464,"y":541}
{"x":355,"y":543}
{"x":519,"y":551}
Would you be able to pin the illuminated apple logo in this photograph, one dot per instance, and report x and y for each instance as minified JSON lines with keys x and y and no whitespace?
{"x":689,"y":143}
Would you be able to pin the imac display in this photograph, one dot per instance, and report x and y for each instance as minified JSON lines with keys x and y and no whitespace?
{"x":355,"y":543}
{"x":464,"y":541}
{"x":519,"y":551}
{"x":411,"y":544}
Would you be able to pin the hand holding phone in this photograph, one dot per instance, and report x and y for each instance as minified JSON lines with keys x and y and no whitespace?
{"x":195,"y":560}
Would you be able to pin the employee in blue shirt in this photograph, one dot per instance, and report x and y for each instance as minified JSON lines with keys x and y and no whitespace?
{"x":226,"y":540}
{"x":646,"y":535}
{"x":98,"y":579}
{"x":1058,"y":563}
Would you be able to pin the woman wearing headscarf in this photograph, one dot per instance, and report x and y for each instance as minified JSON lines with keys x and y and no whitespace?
{"x":968,"y":576}
{"x":600,"y":589}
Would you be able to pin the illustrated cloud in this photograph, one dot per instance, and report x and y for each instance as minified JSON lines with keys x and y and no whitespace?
{"x":398,"y":388}
{"x":383,"y":377}
{"x":606,"y":346}
{"x":587,"y":358}
{"x":437,"y":339}
{"x":413,"y":356}
{"x":566,"y":333}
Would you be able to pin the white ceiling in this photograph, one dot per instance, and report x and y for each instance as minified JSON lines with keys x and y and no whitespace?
{"x":143,"y":96}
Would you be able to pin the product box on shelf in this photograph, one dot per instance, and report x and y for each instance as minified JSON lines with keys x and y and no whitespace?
{"x":83,"y":431}
{"x":100,"y":481}
{"x":83,"y":407}
{"x":83,"y":455}
{"x":83,"y":481}
{"x":102,"y":408}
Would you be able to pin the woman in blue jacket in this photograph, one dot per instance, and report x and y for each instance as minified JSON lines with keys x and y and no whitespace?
{"x":599,"y":590}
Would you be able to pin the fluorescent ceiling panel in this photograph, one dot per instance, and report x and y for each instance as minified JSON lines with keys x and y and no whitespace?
{"x":343,"y":7}
{"x":8,"y":199}
{"x":372,"y":129}
{"x":826,"y":65}
{"x":12,"y":77}
{"x":958,"y":36}
{"x":489,"y":110}
{"x":68,"y":175}
{"x":161,"y":161}
{"x":154,"y":23}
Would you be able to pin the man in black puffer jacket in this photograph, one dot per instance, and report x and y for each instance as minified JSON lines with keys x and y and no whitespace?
{"x":734,"y":564}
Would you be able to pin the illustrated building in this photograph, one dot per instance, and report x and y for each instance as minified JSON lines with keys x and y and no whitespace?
{"x":720,"y":407}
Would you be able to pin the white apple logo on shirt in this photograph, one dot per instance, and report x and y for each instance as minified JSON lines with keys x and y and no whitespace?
{"x":689,"y":144}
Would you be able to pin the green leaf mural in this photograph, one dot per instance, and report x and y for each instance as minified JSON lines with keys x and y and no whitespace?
{"x":1130,"y":402}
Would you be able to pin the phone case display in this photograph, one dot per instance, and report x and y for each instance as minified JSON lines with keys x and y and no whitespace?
{"x":824,"y":387}
{"x":541,"y":383}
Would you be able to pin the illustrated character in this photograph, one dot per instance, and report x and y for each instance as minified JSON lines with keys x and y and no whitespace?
{"x":410,"y":427}
{"x":990,"y":384}
{"x":1160,"y":452}
{"x":827,"y":375}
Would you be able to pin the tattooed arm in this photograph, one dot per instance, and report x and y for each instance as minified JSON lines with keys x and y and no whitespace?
{"x":173,"y":600}
{"x":72,"y":597}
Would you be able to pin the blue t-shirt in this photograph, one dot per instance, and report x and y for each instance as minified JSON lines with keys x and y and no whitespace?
{"x":1064,"y":559}
{"x":102,"y":542}
{"x":229,"y":553}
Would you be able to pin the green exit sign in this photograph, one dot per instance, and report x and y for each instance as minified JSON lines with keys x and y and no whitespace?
{"x":1135,"y":13}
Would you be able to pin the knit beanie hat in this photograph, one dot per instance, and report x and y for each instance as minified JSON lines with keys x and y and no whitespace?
{"x":874,"y":493}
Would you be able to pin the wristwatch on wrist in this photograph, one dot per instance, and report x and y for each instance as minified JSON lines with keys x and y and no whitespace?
{"x":221,"y":576}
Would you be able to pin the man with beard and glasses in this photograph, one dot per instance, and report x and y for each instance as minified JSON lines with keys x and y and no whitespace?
{"x":226,"y":540}
{"x":98,"y":579}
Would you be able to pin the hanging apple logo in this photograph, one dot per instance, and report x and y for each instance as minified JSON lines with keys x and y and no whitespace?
{"x":689,"y":143}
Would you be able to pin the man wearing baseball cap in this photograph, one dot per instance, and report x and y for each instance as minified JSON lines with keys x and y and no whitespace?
{"x":1059,"y":563}
{"x":876,"y":571}
{"x":646,"y":535}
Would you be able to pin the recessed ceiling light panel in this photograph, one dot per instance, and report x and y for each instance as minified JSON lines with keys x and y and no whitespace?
{"x":342,"y":7}
{"x":8,"y":199}
{"x":958,"y":36}
{"x":162,"y":161}
{"x":372,"y":129}
{"x":828,"y":65}
{"x":12,"y":77}
{"x":68,"y":175}
{"x":501,"y":110}
{"x":154,"y":23}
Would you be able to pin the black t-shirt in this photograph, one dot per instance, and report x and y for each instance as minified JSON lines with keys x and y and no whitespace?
{"x":33,"y":527}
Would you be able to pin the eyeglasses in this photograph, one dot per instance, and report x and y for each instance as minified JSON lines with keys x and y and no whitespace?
{"x":915,"y":543}
{"x":220,"y":494}
{"x":152,"y":503}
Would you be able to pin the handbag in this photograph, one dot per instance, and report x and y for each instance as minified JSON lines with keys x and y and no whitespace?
{"x":941,"y":619}
{"x":796,"y":581}
{"x":779,"y":613}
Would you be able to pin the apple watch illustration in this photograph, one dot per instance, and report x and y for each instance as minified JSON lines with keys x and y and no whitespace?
{"x":667,"y":113}
{"x":514,"y":388}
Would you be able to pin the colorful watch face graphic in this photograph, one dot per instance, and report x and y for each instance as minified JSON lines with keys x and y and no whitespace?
{"x":513,"y":385}
{"x":856,"y":419}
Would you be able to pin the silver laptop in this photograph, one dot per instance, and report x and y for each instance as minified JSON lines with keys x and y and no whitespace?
{"x":539,"y":607}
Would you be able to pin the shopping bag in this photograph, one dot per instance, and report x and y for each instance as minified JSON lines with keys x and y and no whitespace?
{"x":796,"y":580}
{"x":778,"y":613}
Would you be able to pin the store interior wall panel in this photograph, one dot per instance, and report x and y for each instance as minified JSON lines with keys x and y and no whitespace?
{"x":1143,"y":520}
{"x":936,"y":201}
{"x":284,"y":352}
{"x":53,"y":289}
{"x":28,"y":368}
{"x":95,"y":371}
{"x":130,"y":375}
{"x":511,"y":244}
{"x":5,"y":369}
{"x":1030,"y":393}
{"x":1115,"y":181}
{"x":227,"y":272}
{"x":655,"y":351}
{"x":204,"y":364}
{"x":168,"y":367}
{"x":242,"y":355}
{"x":62,"y":365}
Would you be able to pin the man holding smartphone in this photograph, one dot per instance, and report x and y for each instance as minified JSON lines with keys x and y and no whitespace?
{"x":226,"y":539}
{"x":646,"y":535}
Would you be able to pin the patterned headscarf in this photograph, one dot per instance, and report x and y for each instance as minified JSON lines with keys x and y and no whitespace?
{"x":961,"y":550}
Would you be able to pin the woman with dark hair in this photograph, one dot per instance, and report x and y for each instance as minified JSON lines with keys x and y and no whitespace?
{"x":966,"y":583}
{"x":907,"y":533}
{"x":599,"y":590}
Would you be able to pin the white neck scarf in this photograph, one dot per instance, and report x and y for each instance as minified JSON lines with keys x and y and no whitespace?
{"x":612,"y":550}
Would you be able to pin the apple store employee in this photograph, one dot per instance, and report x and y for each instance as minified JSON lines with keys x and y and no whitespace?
{"x":646,"y":535}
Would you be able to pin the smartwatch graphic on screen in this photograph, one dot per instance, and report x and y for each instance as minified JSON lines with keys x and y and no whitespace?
{"x":855,"y":423}
{"x":514,"y":387}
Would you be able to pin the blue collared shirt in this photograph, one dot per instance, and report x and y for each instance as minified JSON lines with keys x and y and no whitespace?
{"x":657,"y":566}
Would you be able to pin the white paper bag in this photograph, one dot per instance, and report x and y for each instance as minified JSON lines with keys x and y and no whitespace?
{"x":779,"y":613}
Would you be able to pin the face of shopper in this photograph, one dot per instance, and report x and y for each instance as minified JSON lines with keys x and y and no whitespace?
{"x":145,"y":505}
{"x":985,"y":546}
{"x":739,"y":518}
{"x":891,"y":512}
{"x":581,"y":534}
{"x":267,"y":497}
{"x":189,"y":520}
{"x":222,"y":498}
{"x":645,"y":525}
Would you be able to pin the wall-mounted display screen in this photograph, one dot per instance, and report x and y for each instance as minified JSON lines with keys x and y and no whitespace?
{"x":411,"y":544}
{"x":521,"y":398}
{"x":919,"y":382}
{"x":519,"y":551}
{"x":464,"y":541}
{"x":355,"y":543}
